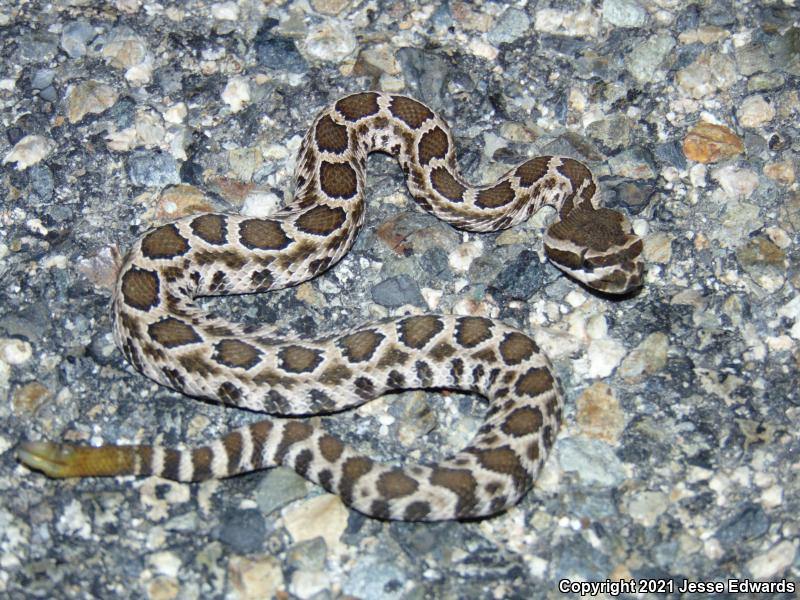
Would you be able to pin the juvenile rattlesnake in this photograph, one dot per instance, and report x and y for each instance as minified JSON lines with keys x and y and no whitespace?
{"x":166,"y":336}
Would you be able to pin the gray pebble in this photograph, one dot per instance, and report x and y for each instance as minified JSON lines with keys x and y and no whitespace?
{"x":152,"y":169}
{"x":374,"y":576}
{"x":243,"y":530}
{"x":308,"y":555}
{"x":42,"y":78}
{"x":624,"y":13}
{"x":37,"y":47}
{"x":279,"y":487}
{"x":593,"y":461}
{"x":435,"y":264}
{"x":277,"y":52}
{"x":750,"y":523}
{"x":41,"y":179}
{"x":75,"y":37}
{"x":520,"y":280}
{"x":397,"y":291}
{"x":512,"y":25}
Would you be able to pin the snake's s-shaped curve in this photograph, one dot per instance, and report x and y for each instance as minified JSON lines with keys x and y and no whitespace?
{"x":167,"y":337}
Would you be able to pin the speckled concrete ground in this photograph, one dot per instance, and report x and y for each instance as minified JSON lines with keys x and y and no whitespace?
{"x":679,"y":454}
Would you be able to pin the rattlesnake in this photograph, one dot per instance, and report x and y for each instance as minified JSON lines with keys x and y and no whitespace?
{"x":167,"y":337}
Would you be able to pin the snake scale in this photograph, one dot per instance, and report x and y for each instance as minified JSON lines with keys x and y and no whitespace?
{"x":165,"y":335}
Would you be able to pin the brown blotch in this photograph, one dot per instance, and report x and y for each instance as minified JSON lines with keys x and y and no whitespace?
{"x":335,"y":374}
{"x":293,"y":432}
{"x":299,"y":359}
{"x":330,"y":447}
{"x":516,"y":348}
{"x":472,"y":331}
{"x":164,"y":242}
{"x":195,"y":362}
{"x":361,"y":345}
{"x":392,"y":357}
{"x":432,"y":145}
{"x":411,"y":112}
{"x":140,"y":288}
{"x":232,"y":443}
{"x":416,"y":511}
{"x":459,"y":481}
{"x":358,"y":106}
{"x":302,"y":461}
{"x":321,"y":220}
{"x":523,"y":421}
{"x":588,"y":228}
{"x":395,"y":380}
{"x":379,"y":509}
{"x":210,"y":228}
{"x":503,"y":460}
{"x":229,"y":258}
{"x":486,"y":355}
{"x":533,"y":451}
{"x":424,"y":373}
{"x":416,"y":332}
{"x":229,"y":393}
{"x":218,"y":282}
{"x":534,"y":381}
{"x":201,"y":463}
{"x":263,"y":234}
{"x":325,"y":478}
{"x":575,"y":171}
{"x":259,"y":433}
{"x":236,"y":353}
{"x":338,"y":180}
{"x":353,"y":469}
{"x":171,"y":333}
{"x":444,"y":183}
{"x":365,"y":388}
{"x":172,"y":464}
{"x":568,"y":259}
{"x":496,"y":196}
{"x":330,"y":136}
{"x":533,"y":170}
{"x":396,"y":484}
{"x":262,"y":280}
{"x":441,"y":351}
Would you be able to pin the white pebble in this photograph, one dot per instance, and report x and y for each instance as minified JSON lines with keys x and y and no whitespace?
{"x":774,"y":561}
{"x":176,"y":114}
{"x":29,"y":151}
{"x":14,"y":351}
{"x":260,"y":204}
{"x":236,"y":93}
{"x":332,"y":41}
{"x":461,"y":258}
{"x":755,"y":111}
{"x":225,"y":11}
{"x":604,"y":356}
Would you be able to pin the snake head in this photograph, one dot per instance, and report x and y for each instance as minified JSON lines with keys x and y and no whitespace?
{"x":598,"y":248}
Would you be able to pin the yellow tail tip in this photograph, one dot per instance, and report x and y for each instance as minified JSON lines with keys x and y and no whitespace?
{"x":72,"y":460}
{"x":51,"y":459}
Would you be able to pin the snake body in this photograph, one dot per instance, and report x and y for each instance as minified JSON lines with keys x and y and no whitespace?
{"x":165,"y":335}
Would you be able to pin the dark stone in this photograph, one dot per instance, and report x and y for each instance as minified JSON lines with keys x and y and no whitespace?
{"x":520,"y":280}
{"x":671,"y":153}
{"x":152,"y":169}
{"x":397,"y":291}
{"x":243,"y":530}
{"x":748,"y":524}
{"x":434,"y":263}
{"x":41,"y":180}
{"x":277,"y":52}
{"x":123,"y":113}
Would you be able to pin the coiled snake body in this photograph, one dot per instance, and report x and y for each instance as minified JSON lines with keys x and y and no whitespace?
{"x":166,"y":336}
